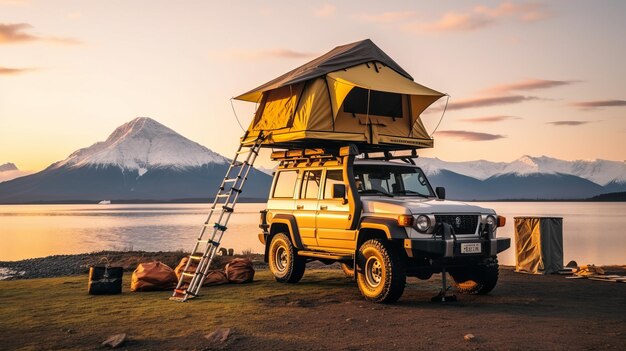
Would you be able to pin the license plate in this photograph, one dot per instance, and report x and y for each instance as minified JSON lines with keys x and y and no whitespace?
{"x":470,"y":248}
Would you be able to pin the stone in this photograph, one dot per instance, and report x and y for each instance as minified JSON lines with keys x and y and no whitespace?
{"x":218,"y":336}
{"x":469,"y":337}
{"x":114,"y":341}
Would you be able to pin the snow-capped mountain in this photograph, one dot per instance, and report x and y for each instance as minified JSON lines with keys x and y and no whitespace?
{"x":141,"y":144}
{"x":10,"y":171}
{"x":8,"y":167}
{"x":140,"y":160}
{"x":601,"y":172}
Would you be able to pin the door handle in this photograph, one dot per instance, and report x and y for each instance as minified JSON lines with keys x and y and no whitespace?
{"x":300,"y":207}
{"x":323,"y":207}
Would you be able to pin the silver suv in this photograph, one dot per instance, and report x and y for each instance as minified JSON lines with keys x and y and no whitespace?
{"x":380,"y":219}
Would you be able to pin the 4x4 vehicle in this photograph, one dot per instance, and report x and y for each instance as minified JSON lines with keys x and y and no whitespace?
{"x":380,"y":219}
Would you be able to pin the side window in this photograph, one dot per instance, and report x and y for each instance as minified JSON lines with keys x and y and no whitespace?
{"x":285,"y":184}
{"x":333,"y":177}
{"x":310,"y":184}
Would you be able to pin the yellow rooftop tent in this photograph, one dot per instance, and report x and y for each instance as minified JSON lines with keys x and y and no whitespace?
{"x":353,"y":94}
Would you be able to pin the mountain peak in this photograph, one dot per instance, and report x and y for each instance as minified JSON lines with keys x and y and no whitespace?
{"x":8,"y":167}
{"x":141,"y":144}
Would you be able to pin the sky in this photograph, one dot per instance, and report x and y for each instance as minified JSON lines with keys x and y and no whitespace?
{"x":524,"y":77}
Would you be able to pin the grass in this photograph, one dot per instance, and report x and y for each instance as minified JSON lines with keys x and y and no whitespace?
{"x":58,"y":313}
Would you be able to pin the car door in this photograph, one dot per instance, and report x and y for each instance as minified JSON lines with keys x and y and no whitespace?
{"x":333,"y":216}
{"x":306,"y":205}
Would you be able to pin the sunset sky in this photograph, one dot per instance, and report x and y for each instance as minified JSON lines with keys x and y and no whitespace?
{"x":537,"y":78}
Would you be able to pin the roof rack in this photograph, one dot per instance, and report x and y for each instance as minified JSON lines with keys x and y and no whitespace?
{"x":327,"y":154}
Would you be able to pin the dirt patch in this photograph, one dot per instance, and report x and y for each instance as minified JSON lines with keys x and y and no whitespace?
{"x":323,"y":312}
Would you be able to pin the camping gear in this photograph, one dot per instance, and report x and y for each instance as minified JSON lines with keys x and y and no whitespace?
{"x":538,"y":244}
{"x":213,"y":277}
{"x":153,"y":276}
{"x":206,"y":247}
{"x":104,"y":279}
{"x":355,"y":93}
{"x":239,"y":270}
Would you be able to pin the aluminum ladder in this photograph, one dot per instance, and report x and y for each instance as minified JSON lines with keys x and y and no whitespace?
{"x":223,"y":206}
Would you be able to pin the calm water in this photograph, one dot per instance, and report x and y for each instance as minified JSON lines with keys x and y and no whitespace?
{"x":593,"y":232}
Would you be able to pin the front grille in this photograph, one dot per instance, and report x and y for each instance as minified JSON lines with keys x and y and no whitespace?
{"x":465,"y":224}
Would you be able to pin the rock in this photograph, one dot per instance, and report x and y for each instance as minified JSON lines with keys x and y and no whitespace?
{"x":469,"y":337}
{"x":219,"y":336}
{"x":114,"y":341}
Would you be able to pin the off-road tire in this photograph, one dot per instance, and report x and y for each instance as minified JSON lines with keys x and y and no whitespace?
{"x":477,"y":279}
{"x":348,"y":270}
{"x":284,"y":261}
{"x":380,"y":256}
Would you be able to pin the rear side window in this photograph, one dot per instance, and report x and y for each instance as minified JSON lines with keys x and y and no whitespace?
{"x":285,"y":184}
{"x":333,"y":177}
{"x":380,"y":103}
{"x":310,"y":184}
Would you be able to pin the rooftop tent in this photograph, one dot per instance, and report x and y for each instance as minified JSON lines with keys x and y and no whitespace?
{"x":354,"y":93}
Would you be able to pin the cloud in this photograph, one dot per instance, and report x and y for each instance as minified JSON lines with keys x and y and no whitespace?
{"x":326,"y":10}
{"x":6,"y":71}
{"x":530,"y":84}
{"x":385,"y":16}
{"x":265,"y":54}
{"x":17,"y":33}
{"x":455,"y":22}
{"x":568,"y":123}
{"x":488,"y":119}
{"x":469,"y":136}
{"x":489,"y":101}
{"x":482,"y":16}
{"x":598,"y":104}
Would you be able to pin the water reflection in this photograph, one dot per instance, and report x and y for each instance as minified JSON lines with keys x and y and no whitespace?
{"x":592,"y":231}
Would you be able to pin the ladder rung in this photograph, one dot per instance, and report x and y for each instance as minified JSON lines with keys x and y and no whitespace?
{"x":223,"y":195}
{"x":186,"y":274}
{"x":220,"y":227}
{"x":180,"y":291}
{"x":192,"y":257}
{"x":227,"y":209}
{"x":209,"y":242}
{"x":235,"y":190}
{"x":230,"y":180}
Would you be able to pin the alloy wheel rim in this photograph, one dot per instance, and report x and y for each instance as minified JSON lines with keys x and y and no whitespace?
{"x":373,"y":272}
{"x":280,"y":259}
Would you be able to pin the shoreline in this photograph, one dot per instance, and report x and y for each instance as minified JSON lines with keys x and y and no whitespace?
{"x":76,"y":264}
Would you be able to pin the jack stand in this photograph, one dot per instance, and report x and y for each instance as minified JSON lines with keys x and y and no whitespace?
{"x":443,"y":294}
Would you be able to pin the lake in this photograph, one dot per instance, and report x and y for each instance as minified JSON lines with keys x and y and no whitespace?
{"x":593,"y":232}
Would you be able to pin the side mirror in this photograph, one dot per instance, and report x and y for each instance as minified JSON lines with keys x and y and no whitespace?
{"x":441,"y":192}
{"x":339,"y":192}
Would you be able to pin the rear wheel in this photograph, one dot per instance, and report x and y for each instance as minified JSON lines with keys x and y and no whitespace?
{"x":382,"y":276}
{"x":477,"y":279}
{"x":284,"y":262}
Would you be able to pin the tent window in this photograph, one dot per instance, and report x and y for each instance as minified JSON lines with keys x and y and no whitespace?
{"x":381,"y":103}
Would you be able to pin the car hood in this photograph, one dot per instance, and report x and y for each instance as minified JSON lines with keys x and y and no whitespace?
{"x":414,"y":205}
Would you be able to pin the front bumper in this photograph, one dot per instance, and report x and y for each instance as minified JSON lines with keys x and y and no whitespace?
{"x":437,"y":247}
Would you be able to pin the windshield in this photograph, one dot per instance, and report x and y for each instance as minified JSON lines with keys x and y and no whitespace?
{"x":389,"y":180}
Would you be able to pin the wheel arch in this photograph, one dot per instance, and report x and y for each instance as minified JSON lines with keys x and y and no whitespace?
{"x":283,"y":223}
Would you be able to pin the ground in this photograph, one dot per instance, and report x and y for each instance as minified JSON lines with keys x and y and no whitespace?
{"x":323,"y":312}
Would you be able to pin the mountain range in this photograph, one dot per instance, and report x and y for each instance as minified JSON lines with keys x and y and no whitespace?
{"x":143,"y":160}
{"x":526,"y":178}
{"x":140,"y":160}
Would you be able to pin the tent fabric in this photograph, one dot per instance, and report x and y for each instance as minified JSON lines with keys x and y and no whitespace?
{"x":354,"y":94}
{"x":338,"y":58}
{"x":538,"y":244}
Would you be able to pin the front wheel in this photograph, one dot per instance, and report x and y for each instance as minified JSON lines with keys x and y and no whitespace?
{"x":477,"y":279}
{"x":284,"y":262}
{"x":381,"y":277}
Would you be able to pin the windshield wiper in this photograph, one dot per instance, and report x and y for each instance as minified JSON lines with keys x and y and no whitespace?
{"x":375,"y":191}
{"x":405,"y":192}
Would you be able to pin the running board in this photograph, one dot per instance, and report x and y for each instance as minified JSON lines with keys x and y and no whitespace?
{"x":326,"y":255}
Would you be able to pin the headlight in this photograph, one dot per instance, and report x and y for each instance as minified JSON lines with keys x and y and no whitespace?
{"x":422,"y":224}
{"x":491,"y":220}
